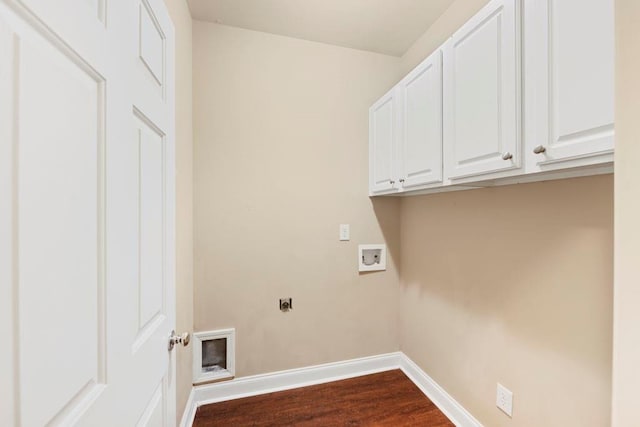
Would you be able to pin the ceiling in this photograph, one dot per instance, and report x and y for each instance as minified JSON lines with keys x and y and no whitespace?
{"x":383,"y":26}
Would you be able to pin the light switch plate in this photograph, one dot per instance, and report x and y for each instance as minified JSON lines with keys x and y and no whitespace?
{"x":344,"y":232}
{"x":504,"y":400}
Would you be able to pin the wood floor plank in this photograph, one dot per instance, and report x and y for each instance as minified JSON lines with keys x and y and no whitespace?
{"x":384,"y":399}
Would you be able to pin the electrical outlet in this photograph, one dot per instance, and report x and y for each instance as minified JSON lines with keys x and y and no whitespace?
{"x":504,"y":400}
{"x":286,"y":304}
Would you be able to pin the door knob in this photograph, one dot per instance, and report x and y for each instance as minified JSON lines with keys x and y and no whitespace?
{"x":539,"y":149}
{"x":183,"y":339}
{"x":507,"y":156}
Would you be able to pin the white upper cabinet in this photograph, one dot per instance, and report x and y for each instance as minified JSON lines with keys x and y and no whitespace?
{"x":420,"y":124}
{"x":522,"y":92}
{"x":382,"y":144}
{"x":482,"y":93}
{"x":569,"y":82}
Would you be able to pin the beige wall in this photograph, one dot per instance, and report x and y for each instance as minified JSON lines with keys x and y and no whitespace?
{"x":181,"y":18}
{"x":280,"y":160}
{"x":626,"y":373}
{"x":452,"y":19}
{"x":511,"y":285}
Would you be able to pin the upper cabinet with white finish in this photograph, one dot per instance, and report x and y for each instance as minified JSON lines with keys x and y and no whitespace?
{"x":405,"y":132}
{"x":420,"y":124}
{"x":569,"y":78}
{"x":522,"y":92}
{"x":382,"y":144}
{"x":482,"y":93}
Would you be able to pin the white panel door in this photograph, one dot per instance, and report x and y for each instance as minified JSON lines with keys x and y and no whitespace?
{"x":420,"y":112}
{"x":86,"y":216}
{"x":151,"y":145}
{"x":383,"y":144}
{"x":481,"y":93}
{"x":569,"y":79}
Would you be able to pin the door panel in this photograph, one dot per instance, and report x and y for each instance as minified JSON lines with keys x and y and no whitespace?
{"x":476,"y":102}
{"x":153,"y":122}
{"x":86,"y":217}
{"x":151,"y":44}
{"x":151,"y":220}
{"x":151,"y":62}
{"x":571,"y":75}
{"x":82,"y":24}
{"x":8,"y":230}
{"x":57,"y":108}
{"x":153,"y":413}
{"x":482,"y":93}
{"x":420,"y":95}
{"x":382,"y":144}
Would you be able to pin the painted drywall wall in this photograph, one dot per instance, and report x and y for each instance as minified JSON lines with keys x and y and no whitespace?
{"x":626,"y":371}
{"x":512,"y":285}
{"x":451,"y":20}
{"x":280,"y":160}
{"x":181,"y":18}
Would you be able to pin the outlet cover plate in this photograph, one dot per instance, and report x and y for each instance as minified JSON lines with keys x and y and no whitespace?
{"x":504,"y":400}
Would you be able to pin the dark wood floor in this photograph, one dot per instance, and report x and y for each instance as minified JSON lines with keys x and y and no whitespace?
{"x":384,"y":399}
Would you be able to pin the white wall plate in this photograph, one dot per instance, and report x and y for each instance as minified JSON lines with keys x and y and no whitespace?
{"x":372,"y":257}
{"x":212,"y":372}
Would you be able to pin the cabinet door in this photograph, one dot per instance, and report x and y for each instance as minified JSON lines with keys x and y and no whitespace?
{"x":481,"y":93}
{"x":420,"y":117}
{"x":569,"y":80}
{"x":382,"y":134}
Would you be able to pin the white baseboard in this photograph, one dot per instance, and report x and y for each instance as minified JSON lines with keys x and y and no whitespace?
{"x":447,"y":404}
{"x":190,"y":409}
{"x":319,"y":374}
{"x":294,"y":378}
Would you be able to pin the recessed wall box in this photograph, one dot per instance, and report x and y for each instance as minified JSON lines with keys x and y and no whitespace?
{"x":213,"y":355}
{"x":372,"y":257}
